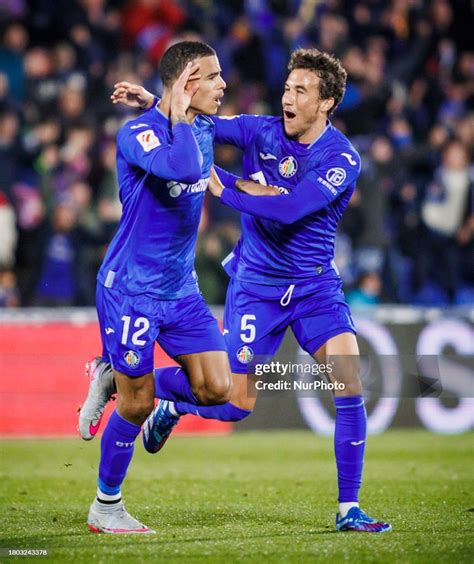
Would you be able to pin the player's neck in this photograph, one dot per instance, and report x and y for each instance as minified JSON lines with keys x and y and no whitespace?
{"x":311,"y":134}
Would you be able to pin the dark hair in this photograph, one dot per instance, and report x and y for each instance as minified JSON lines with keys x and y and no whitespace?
{"x":178,"y":56}
{"x":327,"y":67}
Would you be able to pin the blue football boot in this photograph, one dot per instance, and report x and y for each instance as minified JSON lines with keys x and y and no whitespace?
{"x":356,"y":520}
{"x":158,"y":426}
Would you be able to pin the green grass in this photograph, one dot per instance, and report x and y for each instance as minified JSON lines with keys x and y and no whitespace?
{"x":250,"y":497}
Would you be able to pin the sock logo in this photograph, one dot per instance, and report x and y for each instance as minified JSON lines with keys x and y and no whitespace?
{"x":357,"y":443}
{"x":125,"y":445}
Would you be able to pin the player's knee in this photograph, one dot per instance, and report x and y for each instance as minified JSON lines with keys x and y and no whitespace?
{"x":136,"y":409}
{"x":346,"y":372}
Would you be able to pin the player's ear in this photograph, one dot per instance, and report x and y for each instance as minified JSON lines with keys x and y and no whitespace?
{"x":326,"y":105}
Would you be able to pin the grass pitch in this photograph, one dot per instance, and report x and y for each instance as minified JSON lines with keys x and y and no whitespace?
{"x":250,"y":497}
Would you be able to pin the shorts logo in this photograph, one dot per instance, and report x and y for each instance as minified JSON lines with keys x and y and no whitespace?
{"x":245,"y":354}
{"x":288,"y":167}
{"x":336,"y":176}
{"x":148,"y":140}
{"x":132,"y":359}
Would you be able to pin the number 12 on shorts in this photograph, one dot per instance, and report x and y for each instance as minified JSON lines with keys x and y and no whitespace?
{"x":141,"y":324}
{"x":248,"y":328}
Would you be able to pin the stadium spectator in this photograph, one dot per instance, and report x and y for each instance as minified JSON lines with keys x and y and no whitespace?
{"x":9,"y":236}
{"x":367,"y":291}
{"x":444,"y":212}
{"x":409,"y":94}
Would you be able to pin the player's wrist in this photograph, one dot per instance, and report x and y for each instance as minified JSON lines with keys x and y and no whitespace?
{"x":179,"y":118}
{"x":149,"y":100}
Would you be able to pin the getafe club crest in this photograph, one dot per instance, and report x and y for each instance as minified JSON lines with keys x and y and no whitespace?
{"x":132,"y":359}
{"x":245,"y":354}
{"x":288,"y":167}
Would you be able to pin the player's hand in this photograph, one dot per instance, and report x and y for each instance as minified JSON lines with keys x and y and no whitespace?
{"x":182,"y":92}
{"x":256,"y":189}
{"x":132,"y":95}
{"x":215,"y":185}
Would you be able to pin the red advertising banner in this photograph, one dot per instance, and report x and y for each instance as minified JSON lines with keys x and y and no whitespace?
{"x":42,"y":379}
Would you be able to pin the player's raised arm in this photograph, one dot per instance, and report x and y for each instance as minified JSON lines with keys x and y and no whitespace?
{"x":315,"y":191}
{"x":235,"y":130}
{"x":132,"y":95}
{"x":180,"y":160}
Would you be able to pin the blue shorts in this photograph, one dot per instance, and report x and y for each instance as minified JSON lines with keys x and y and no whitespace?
{"x":256,"y":317}
{"x":130,"y":325}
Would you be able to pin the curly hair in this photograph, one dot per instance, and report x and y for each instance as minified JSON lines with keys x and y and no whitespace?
{"x":178,"y":56}
{"x":328,"y":68}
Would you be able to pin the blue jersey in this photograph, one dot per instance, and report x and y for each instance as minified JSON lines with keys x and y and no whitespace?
{"x":163,"y":173}
{"x":287,"y":238}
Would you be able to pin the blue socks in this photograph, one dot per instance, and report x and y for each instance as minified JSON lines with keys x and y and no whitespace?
{"x":116,"y":453}
{"x":349,"y":445}
{"x":171,"y":383}
{"x":224,"y":412}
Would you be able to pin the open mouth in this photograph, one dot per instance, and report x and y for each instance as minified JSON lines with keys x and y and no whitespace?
{"x":289,"y":115}
{"x":217,"y":99}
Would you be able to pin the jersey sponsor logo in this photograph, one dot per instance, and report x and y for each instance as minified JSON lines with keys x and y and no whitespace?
{"x":349,"y":158}
{"x":245,"y":354}
{"x":225,"y":332}
{"x":267,"y":156}
{"x":177,"y":188}
{"x":132,"y":359}
{"x":336,"y":176}
{"x":139,"y":125}
{"x":326,"y":184}
{"x":148,"y":140}
{"x":288,"y":167}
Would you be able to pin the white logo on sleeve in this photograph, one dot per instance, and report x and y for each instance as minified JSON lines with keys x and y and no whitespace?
{"x":148,"y":140}
{"x":336,"y":176}
{"x":139,"y":125}
{"x":349,"y":158}
{"x":267,"y":156}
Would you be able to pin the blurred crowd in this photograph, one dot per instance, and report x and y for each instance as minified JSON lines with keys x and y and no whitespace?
{"x":408,"y":234}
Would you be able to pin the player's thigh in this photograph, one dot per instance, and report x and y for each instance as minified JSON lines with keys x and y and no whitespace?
{"x":192,"y":337}
{"x":253,"y":326}
{"x":129,"y":326}
{"x":209,"y":375}
{"x":328,"y":334}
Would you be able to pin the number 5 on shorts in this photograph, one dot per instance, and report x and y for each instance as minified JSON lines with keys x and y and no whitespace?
{"x":141,"y":323}
{"x":245,"y":326}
